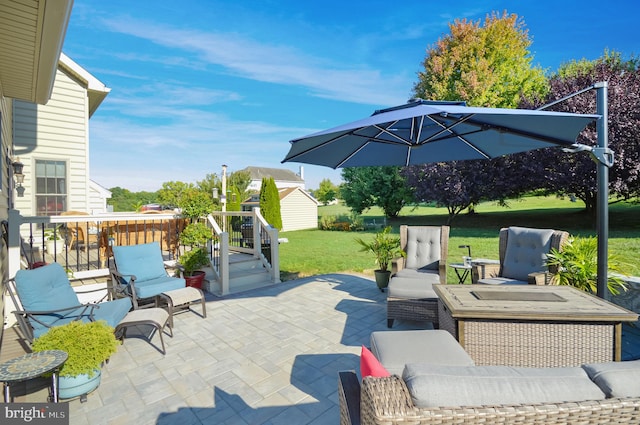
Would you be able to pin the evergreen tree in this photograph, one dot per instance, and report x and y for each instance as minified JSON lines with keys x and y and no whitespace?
{"x":270,"y":202}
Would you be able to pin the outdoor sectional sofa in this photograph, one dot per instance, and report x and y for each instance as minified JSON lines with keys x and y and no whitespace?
{"x":441,"y":385}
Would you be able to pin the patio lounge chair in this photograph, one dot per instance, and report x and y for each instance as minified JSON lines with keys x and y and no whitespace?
{"x":44,"y":298}
{"x":140,"y":274}
{"x":410,"y":294}
{"x":522,"y":252}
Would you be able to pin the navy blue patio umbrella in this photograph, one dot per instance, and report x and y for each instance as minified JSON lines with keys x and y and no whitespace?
{"x":437,"y":131}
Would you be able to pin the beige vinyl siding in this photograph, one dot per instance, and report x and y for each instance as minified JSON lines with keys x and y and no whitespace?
{"x":55,"y":131}
{"x":298,"y":211}
{"x":5,"y":144}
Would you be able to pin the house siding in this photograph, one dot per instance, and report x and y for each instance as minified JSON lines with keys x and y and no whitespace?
{"x":298,"y":211}
{"x":55,"y":131}
{"x":5,"y":143}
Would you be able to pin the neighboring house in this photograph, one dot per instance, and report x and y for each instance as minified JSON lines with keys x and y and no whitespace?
{"x":52,"y":141}
{"x":283,"y":178}
{"x":298,"y":209}
{"x":31,"y":38}
{"x":98,"y":196}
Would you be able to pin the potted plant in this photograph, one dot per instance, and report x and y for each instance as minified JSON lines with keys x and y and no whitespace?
{"x":385,"y":247}
{"x":88,"y":346}
{"x":54,"y":243}
{"x":195,"y":204}
{"x":576,"y":265}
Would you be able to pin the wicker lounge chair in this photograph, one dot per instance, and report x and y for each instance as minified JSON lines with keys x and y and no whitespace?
{"x":522,"y":253}
{"x":410,"y":293}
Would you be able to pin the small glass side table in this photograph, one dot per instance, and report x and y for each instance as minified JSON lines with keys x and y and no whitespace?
{"x":462,"y":271}
{"x":31,"y":366}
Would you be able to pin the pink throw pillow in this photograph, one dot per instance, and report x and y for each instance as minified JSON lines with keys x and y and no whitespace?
{"x":370,"y":366}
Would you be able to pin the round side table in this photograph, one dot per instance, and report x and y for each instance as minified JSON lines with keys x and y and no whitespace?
{"x":462,"y":271}
{"x":31,"y":366}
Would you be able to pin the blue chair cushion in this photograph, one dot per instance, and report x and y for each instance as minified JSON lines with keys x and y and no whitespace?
{"x":45,"y":288}
{"x":112,"y":311}
{"x":152,"y":287}
{"x":143,"y":261}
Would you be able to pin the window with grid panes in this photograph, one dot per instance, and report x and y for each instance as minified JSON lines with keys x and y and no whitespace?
{"x":51,"y":187}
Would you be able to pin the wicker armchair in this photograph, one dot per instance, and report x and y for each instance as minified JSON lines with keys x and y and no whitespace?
{"x":426,"y":249}
{"x":388,"y":401}
{"x":522,"y":252}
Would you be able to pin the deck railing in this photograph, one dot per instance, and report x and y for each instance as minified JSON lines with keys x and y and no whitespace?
{"x":82,"y":243}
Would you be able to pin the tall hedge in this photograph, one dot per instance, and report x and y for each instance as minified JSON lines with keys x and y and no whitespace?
{"x":270,"y":202}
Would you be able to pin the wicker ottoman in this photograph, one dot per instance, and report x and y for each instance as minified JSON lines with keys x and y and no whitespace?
{"x":183,"y":297}
{"x":411,"y":299}
{"x":155,"y":317}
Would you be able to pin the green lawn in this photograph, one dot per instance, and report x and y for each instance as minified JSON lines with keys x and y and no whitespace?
{"x":311,"y":252}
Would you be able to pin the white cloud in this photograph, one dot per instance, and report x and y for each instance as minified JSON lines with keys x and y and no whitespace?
{"x":272,"y":63}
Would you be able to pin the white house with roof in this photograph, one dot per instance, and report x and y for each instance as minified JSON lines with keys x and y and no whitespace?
{"x":52,"y":141}
{"x":298,"y":209}
{"x":283,"y":178}
{"x":31,"y":38}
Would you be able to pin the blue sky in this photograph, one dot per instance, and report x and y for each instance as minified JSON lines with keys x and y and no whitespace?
{"x":200,"y":83}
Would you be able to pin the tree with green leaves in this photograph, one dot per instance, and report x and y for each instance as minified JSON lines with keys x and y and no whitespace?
{"x":172,"y":192}
{"x":486,"y":65}
{"x":326,"y":192}
{"x":366,"y":187}
{"x":270,"y":202}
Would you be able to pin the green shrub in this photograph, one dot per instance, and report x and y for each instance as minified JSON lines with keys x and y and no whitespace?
{"x":87,"y":344}
{"x":577,"y":265}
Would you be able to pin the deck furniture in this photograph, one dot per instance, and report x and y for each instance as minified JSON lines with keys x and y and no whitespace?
{"x":157,"y":318}
{"x":523,"y":252}
{"x":30,"y":366}
{"x":530,"y":325}
{"x":410,"y":295}
{"x":440,"y":384}
{"x":139,"y":273}
{"x":410,"y":298}
{"x":44,"y":298}
{"x":183,"y":298}
{"x":426,"y":249}
{"x":81,"y":232}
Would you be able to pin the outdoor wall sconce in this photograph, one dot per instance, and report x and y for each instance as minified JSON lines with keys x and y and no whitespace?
{"x":18,"y":176}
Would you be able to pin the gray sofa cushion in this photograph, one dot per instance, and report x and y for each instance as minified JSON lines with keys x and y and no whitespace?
{"x":410,"y":288}
{"x":616,"y":379}
{"x":432,"y":276}
{"x":449,"y":386}
{"x":526,"y":252}
{"x":423,"y":248}
{"x":394,"y":349}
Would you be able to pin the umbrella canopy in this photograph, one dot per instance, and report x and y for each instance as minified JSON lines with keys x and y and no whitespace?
{"x":431,"y":131}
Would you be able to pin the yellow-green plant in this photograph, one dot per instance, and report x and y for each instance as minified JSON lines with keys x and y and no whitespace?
{"x":88,"y":345}
{"x":384,"y":246}
{"x":577,"y":266}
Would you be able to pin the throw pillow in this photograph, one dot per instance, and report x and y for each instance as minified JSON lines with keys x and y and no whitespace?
{"x":370,"y":366}
{"x":616,"y":379}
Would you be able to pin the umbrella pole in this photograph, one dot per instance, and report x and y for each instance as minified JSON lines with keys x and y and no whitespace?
{"x":603,"y":189}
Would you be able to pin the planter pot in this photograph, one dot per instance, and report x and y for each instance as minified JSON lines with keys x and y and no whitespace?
{"x":54,"y":246}
{"x":76,"y":386}
{"x":196,"y":279}
{"x":382,"y":278}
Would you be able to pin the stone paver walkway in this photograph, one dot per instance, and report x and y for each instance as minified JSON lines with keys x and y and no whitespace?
{"x":270,"y":356}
